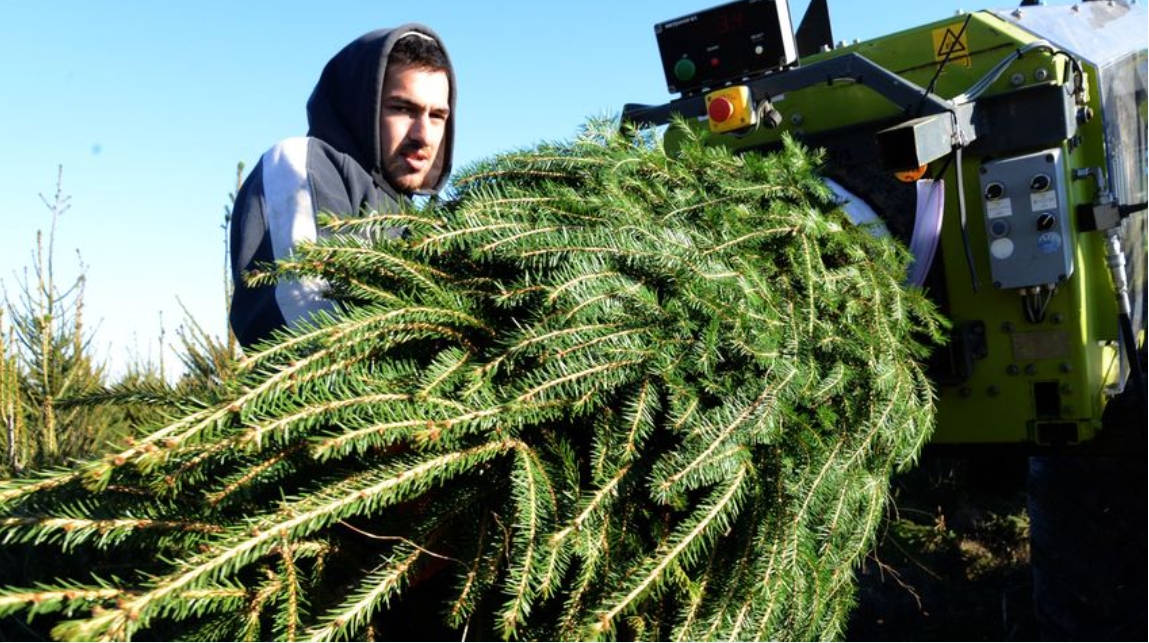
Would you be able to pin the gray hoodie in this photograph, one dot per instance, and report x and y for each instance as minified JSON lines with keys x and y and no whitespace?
{"x":336,"y":168}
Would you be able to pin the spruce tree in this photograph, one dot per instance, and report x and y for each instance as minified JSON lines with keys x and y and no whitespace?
{"x":599,"y":392}
{"x":46,"y":359}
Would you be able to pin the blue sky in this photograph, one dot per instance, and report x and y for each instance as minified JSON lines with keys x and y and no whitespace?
{"x":149,"y":106}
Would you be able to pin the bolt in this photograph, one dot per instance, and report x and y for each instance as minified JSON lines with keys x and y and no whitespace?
{"x":1007,"y":327}
{"x":796,"y":119}
{"x":1041,"y":74}
{"x":1031,"y":369}
{"x":1013,"y":369}
{"x":1065,"y":367}
{"x":1067,"y":389}
{"x":1058,"y":318}
{"x":1017,"y":79}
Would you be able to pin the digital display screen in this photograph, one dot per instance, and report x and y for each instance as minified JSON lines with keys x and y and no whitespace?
{"x":725,"y":44}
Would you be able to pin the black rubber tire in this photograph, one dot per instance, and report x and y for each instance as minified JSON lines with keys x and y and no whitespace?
{"x":1088,"y":546}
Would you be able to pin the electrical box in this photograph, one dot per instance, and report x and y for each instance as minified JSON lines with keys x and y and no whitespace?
{"x":1027,"y":220}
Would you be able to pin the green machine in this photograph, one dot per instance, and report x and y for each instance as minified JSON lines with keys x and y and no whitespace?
{"x":1006,"y":148}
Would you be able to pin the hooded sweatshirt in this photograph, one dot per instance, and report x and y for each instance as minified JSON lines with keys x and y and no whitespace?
{"x":336,"y":168}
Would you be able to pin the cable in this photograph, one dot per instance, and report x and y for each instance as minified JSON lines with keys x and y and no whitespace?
{"x":1115,"y":258}
{"x":937,"y":74}
{"x":1035,"y":302}
{"x":974,"y":281}
{"x":978,"y":88}
{"x":1136,"y":374}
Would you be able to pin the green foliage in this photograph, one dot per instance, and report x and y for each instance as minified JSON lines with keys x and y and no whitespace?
{"x":600,"y":392}
{"x":46,"y":359}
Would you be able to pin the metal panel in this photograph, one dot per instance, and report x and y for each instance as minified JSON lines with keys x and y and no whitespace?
{"x":1027,"y":220}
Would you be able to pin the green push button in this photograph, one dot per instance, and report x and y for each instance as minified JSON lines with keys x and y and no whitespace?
{"x":684,"y":69}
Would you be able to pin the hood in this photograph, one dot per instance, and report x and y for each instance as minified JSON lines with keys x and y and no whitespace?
{"x":343,"y":109}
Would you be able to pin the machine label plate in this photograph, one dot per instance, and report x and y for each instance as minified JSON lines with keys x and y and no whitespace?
{"x":1043,"y":200}
{"x":1040,"y":344}
{"x":998,"y":209}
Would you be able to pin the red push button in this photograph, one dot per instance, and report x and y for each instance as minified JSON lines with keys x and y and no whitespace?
{"x":720,"y":109}
{"x":730,"y":109}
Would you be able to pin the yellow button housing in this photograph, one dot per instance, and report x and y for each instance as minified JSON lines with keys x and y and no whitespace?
{"x":730,"y":108}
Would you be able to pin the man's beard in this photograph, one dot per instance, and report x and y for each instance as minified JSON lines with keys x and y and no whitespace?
{"x":400,"y":176}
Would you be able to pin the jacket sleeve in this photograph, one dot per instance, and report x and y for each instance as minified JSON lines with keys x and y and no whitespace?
{"x":274,"y":211}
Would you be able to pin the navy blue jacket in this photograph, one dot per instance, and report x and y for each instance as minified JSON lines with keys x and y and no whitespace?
{"x":336,"y":168}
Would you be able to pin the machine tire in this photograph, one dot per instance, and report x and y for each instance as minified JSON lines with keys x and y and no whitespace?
{"x":1087,"y":515}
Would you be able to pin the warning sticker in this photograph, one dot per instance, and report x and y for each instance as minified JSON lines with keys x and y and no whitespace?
{"x":1049,"y":242}
{"x":951,"y":43}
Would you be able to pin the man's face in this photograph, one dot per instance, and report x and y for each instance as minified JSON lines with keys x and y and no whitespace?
{"x":412,"y":121}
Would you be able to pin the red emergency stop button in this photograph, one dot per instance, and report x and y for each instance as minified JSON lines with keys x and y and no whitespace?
{"x":720,"y":109}
{"x":730,"y":109}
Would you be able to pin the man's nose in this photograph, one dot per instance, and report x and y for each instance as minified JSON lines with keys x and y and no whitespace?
{"x":419,"y":127}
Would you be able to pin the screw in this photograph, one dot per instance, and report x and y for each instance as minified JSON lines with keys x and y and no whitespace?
{"x":796,"y":119}
{"x":1041,"y":74}
{"x":1065,"y":367}
{"x":1007,"y":327}
{"x":1017,"y":79}
{"x":1013,"y":369}
{"x":1058,"y":318}
{"x":1031,"y":369}
{"x":1067,"y":389}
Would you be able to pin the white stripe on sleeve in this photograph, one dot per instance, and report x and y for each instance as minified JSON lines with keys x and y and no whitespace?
{"x":291,"y":220}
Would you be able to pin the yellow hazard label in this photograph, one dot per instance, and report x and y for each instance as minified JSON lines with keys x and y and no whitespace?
{"x":952,"y":43}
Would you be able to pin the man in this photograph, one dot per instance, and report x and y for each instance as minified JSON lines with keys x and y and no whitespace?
{"x":380,"y":129}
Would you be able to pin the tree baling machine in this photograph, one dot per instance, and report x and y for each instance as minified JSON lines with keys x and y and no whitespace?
{"x":1007,"y":149}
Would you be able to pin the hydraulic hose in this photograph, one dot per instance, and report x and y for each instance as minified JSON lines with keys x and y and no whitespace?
{"x":1115,"y":259}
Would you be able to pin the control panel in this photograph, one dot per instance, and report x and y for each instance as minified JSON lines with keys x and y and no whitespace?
{"x":725,"y":44}
{"x":1027,"y":220}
